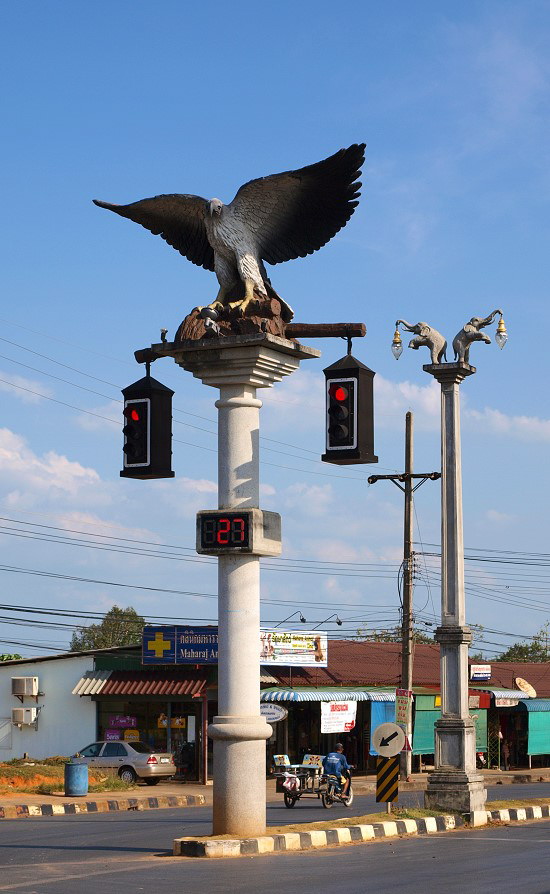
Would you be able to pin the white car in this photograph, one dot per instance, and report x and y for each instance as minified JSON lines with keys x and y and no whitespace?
{"x":131,"y":760}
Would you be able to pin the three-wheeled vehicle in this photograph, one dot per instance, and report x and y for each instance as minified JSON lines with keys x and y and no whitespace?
{"x":295,"y":781}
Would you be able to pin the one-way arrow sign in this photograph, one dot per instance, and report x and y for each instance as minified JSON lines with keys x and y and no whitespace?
{"x":388,"y":739}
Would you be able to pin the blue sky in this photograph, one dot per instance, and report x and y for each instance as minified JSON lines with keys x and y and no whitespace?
{"x":124,"y":100}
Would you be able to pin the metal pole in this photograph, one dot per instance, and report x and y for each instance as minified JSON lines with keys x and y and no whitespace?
{"x":407,"y":628}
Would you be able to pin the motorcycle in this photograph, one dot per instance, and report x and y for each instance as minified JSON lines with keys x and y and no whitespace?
{"x":335,"y":792}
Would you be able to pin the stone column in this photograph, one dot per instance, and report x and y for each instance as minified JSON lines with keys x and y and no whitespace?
{"x":455,"y":783}
{"x":238,"y":366}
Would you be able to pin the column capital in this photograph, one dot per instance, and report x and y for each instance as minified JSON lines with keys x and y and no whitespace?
{"x":256,"y":360}
{"x":454,"y":636}
{"x":450,"y":373}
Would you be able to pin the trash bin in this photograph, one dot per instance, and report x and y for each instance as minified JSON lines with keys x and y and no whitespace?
{"x":76,"y":780}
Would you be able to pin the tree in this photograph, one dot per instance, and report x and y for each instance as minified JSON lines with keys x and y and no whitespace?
{"x":120,"y":627}
{"x":5,"y":657}
{"x":536,"y":650}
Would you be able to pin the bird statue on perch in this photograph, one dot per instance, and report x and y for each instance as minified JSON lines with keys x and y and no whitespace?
{"x":271,"y":219}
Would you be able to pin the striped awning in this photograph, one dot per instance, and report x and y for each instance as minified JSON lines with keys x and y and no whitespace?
{"x":536,"y":704}
{"x":327,"y":695}
{"x":91,"y":683}
{"x":141,"y":683}
{"x":502,"y":693}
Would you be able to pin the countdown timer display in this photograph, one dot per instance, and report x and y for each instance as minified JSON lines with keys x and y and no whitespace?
{"x":253,"y":531}
{"x":232,"y":529}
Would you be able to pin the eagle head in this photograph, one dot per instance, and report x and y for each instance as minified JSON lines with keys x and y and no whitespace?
{"x":214,"y":207}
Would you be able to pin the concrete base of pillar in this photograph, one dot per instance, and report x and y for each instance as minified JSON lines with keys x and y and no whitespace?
{"x":239,"y":802}
{"x":455,"y":790}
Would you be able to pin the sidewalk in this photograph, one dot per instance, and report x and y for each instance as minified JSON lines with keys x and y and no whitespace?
{"x":177,"y":794}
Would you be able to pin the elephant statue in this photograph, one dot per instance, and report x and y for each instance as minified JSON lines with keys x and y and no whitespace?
{"x":428,"y":337}
{"x":471,"y":332}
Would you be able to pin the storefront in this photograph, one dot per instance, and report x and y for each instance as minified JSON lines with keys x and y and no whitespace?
{"x":168,"y":708}
{"x":300,"y":732}
{"x":427,"y":709}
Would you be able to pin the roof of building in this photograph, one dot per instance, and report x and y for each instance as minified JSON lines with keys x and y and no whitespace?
{"x":356,"y":663}
{"x":162,"y":681}
{"x":360,"y":663}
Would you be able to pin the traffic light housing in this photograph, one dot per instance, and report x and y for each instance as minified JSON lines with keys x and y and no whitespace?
{"x":147,"y":430}
{"x":349,"y":413}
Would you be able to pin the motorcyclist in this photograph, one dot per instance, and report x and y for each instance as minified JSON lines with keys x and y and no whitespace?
{"x":335,"y":763}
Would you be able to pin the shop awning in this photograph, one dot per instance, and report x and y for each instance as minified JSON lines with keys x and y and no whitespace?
{"x":536,"y":704}
{"x":538,"y":725}
{"x":326,"y":695}
{"x":142,"y":683}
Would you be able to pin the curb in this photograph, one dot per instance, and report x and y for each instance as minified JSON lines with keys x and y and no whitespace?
{"x":316,"y":838}
{"x":15,"y":811}
{"x":301,"y":841}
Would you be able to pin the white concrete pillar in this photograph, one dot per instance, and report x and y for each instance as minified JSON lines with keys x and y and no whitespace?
{"x":238,"y":366}
{"x":454,"y":784}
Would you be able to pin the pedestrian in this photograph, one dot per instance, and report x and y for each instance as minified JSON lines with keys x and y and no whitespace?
{"x":506,"y":754}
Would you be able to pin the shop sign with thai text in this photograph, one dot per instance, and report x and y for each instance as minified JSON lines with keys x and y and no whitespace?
{"x":480,"y":672}
{"x":338,"y":717}
{"x":403,"y":706}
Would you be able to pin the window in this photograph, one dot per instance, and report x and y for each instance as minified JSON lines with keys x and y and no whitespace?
{"x":91,"y":750}
{"x":114,"y":749}
{"x":140,"y":747}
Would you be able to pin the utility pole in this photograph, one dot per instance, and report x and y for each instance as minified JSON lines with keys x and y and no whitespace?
{"x":405,"y":483}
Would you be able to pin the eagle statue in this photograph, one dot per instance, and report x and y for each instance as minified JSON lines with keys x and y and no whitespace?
{"x":271,"y":219}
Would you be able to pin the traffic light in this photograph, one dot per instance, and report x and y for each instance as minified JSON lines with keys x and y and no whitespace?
{"x":147,"y":430}
{"x":349,"y":413}
{"x":137,"y":433}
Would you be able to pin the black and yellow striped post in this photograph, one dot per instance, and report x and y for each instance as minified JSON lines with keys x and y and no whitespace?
{"x":387,"y":779}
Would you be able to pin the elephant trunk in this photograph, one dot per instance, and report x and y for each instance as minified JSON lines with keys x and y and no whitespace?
{"x":408,"y":326}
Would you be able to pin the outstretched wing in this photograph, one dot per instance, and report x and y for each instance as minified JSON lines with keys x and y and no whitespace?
{"x":293,"y":214}
{"x":179,"y":219}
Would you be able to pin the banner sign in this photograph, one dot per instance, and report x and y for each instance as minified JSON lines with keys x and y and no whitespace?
{"x":480,"y":672}
{"x":403,"y":705}
{"x":179,"y":645}
{"x":199,"y":645}
{"x":294,"y":648}
{"x":338,"y":717}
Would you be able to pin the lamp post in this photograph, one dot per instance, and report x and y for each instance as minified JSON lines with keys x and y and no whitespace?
{"x":454,"y":784}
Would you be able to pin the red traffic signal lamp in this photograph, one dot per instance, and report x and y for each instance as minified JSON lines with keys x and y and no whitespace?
{"x":147,"y":430}
{"x":349,"y":413}
{"x":137,"y":433}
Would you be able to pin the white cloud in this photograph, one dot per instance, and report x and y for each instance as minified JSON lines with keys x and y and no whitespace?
{"x":525,"y":428}
{"x":27,"y":390}
{"x":393,"y":399}
{"x":102,"y":418}
{"x":304,"y":499}
{"x":296,"y":403}
{"x":186,"y":496}
{"x":19,"y":463}
{"x":94,"y":524}
{"x":494,"y":515}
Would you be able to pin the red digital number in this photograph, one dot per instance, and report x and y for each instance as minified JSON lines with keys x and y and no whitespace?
{"x":224,"y":527}
{"x":237,"y":530}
